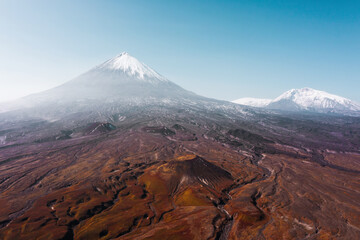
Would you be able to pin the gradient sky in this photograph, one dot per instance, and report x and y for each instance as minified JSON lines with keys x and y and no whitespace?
{"x":220,"y":49}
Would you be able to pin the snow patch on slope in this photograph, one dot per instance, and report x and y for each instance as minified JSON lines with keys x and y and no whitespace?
{"x":254,"y":102}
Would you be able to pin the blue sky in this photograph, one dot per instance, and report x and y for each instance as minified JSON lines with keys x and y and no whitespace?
{"x":219,"y":49}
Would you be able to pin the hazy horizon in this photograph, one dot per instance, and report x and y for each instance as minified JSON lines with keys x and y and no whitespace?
{"x":226,"y":50}
{"x":39,"y":91}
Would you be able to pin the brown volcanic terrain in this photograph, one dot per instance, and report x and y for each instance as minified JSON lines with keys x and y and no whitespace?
{"x":122,"y":153}
{"x":176,"y":180}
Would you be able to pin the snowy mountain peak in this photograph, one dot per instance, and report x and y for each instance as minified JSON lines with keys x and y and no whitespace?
{"x":126,"y":63}
{"x":307,"y":99}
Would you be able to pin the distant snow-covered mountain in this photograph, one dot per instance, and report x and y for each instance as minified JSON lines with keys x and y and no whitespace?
{"x":306,"y":99}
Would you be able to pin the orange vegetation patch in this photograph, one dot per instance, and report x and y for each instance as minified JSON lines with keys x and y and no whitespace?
{"x":192,"y":197}
{"x":185,"y":157}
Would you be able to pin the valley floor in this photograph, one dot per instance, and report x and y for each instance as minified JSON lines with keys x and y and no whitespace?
{"x":175,"y":183}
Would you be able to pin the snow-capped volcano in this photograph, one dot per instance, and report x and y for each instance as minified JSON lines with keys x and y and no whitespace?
{"x":122,"y":80}
{"x":306,"y":99}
